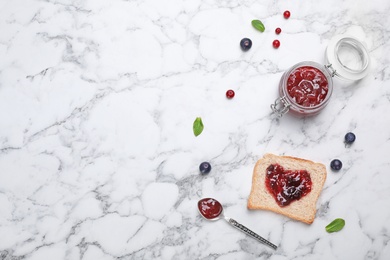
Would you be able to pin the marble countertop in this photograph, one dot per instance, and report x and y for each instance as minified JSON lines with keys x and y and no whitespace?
{"x":98,"y":159}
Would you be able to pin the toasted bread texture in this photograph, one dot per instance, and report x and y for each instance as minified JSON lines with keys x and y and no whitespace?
{"x":303,"y":209}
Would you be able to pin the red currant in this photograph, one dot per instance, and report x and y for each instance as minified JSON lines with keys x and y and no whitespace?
{"x":278,"y":30}
{"x":286,"y":14}
{"x":230,"y":94}
{"x":276,"y":44}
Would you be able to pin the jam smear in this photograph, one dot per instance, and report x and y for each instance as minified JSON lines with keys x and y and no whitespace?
{"x":287,"y":186}
{"x":210,"y":208}
{"x":307,"y":86}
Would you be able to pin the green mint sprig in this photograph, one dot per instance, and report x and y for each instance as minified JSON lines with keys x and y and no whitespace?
{"x":335,"y":225}
{"x":198,"y":126}
{"x":258,"y":25}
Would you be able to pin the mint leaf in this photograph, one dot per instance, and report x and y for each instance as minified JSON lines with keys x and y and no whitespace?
{"x":258,"y":25}
{"x":335,"y":225}
{"x":198,"y":126}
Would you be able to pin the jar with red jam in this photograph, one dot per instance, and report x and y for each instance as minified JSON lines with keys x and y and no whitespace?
{"x":305,"y":89}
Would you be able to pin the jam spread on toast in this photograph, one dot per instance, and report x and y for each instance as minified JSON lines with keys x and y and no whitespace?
{"x":287,"y":186}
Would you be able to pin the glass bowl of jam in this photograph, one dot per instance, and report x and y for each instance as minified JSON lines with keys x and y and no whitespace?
{"x":306,"y":88}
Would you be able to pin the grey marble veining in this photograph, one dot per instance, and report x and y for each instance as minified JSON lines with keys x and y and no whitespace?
{"x":97,"y":155}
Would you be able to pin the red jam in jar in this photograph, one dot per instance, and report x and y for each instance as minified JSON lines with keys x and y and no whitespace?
{"x":304,"y":90}
{"x":210,"y":208}
{"x":287,"y":186}
{"x":307,"y":86}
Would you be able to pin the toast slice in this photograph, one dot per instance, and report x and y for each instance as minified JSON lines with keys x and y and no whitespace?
{"x":303,"y":209}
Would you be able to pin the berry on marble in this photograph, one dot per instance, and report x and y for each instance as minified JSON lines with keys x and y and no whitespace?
{"x":278,"y":30}
{"x":276,"y":44}
{"x":350,"y":138}
{"x":205,"y":167}
{"x":246,"y":44}
{"x":230,"y":94}
{"x":336,"y":164}
{"x":286,"y":14}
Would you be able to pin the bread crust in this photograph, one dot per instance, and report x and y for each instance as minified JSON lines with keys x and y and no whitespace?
{"x":304,"y":209}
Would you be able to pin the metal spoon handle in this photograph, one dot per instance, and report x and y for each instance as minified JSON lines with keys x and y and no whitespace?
{"x":250,"y":233}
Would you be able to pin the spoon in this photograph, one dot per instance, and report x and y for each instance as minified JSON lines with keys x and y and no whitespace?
{"x":212,"y":210}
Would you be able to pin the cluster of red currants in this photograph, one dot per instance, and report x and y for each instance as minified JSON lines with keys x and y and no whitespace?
{"x":276,"y":43}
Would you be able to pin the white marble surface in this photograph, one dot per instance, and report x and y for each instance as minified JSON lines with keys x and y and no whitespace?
{"x":97,"y":155}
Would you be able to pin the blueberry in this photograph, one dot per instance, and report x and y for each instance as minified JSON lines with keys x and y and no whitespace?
{"x":205,"y":167}
{"x":246,"y":44}
{"x":336,"y":164}
{"x":349,"y":138}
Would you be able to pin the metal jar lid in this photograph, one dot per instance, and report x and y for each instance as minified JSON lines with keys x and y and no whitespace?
{"x":347,"y":58}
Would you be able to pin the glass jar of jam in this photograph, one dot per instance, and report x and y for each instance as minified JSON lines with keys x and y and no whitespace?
{"x":305,"y":89}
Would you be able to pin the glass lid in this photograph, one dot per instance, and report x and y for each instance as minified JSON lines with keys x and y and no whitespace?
{"x":347,"y":58}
